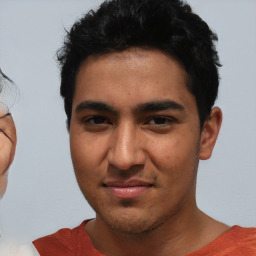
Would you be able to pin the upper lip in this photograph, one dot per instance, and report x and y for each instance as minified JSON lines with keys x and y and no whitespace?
{"x":127,"y":183}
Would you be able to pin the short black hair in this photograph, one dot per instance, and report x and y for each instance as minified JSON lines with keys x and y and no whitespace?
{"x":167,"y":25}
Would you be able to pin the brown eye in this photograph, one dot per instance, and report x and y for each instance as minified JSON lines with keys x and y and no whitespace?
{"x":97,"y":120}
{"x":96,"y":123}
{"x":160,"y":121}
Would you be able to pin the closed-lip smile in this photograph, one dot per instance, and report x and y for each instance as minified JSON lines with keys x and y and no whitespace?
{"x":127,"y":189}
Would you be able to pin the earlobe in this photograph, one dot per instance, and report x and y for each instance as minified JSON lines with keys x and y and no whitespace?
{"x":210,"y":133}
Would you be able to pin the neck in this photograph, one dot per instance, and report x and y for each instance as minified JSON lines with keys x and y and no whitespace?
{"x":179,"y":236}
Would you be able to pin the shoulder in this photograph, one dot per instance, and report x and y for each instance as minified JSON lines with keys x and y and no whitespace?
{"x":63,"y":242}
{"x":237,"y":241}
{"x":244,"y":238}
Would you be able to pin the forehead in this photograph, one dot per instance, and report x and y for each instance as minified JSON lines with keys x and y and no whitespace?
{"x":129,"y":76}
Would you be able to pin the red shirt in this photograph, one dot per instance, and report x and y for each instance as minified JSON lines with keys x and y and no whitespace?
{"x":237,"y":241}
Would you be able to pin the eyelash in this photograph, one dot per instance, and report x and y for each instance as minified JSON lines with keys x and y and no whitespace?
{"x":98,"y":122}
{"x":168,"y":120}
{"x":88,"y":120}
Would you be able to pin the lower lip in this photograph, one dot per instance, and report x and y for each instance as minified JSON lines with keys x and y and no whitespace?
{"x":127,"y":192}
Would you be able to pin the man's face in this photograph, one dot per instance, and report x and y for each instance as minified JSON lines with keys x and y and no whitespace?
{"x":135,"y":138}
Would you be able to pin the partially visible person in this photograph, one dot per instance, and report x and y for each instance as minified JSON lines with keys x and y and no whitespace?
{"x":8,"y":141}
{"x":8,"y":137}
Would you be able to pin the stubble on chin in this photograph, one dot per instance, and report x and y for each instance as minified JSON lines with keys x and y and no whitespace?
{"x":132,"y":224}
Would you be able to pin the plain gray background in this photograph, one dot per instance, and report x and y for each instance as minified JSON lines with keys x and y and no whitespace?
{"x":42,"y":195}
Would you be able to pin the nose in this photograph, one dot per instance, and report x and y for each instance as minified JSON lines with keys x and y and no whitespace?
{"x":126,"y":148}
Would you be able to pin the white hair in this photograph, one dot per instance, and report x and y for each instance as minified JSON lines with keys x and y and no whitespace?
{"x":8,"y":92}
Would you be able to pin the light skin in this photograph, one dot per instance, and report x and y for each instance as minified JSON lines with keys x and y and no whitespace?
{"x":136,"y":142}
{"x":7,"y":147}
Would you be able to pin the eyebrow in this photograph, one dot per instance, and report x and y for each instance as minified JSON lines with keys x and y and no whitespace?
{"x":5,"y":115}
{"x":152,"y":106}
{"x":1,"y":130}
{"x":94,"y":105}
{"x":159,"y":106}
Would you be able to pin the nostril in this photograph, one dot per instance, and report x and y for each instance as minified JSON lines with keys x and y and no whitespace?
{"x":125,"y":174}
{"x":125,"y":150}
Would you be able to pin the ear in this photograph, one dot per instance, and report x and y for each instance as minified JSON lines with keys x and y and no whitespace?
{"x":7,"y":148}
{"x":210,"y":133}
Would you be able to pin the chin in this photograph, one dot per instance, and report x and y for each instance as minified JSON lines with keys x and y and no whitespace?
{"x":133,"y":223}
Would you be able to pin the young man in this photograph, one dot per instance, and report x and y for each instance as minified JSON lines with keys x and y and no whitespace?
{"x":139,"y":80}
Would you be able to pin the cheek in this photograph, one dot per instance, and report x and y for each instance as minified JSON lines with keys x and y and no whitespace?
{"x":176,"y":161}
{"x":177,"y":153}
{"x":87,"y":154}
